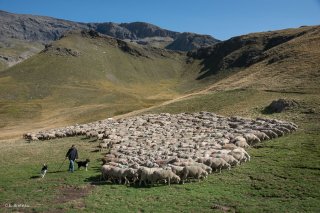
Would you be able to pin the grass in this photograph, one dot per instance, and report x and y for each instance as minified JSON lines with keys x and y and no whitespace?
{"x":51,"y":90}
{"x":101,"y":82}
{"x":105,"y":81}
{"x":15,"y":49}
{"x":283,"y":175}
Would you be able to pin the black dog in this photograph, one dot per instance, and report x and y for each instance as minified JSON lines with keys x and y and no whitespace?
{"x":83,"y":164}
{"x":43,"y":170}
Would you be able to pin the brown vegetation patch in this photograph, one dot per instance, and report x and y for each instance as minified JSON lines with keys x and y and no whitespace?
{"x":222,"y":208}
{"x":67,"y":193}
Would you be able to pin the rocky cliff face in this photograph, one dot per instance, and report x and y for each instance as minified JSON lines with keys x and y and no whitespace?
{"x":191,"y":41}
{"x":34,"y":28}
{"x":244,"y":51}
{"x":46,"y":29}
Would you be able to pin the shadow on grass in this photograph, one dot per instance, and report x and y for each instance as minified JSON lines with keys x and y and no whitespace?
{"x":98,"y":180}
{"x":58,"y":171}
{"x":35,"y":177}
{"x":266,"y":111}
{"x":88,"y":139}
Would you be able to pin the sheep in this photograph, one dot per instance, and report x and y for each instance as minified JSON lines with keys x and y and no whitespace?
{"x":251,"y":138}
{"x":193,"y":172}
{"x":49,"y":136}
{"x":261,"y":135}
{"x":228,"y":158}
{"x":240,"y":141}
{"x":130,"y":174}
{"x":240,"y":156}
{"x":100,"y":136}
{"x":176,"y":169}
{"x":165,"y":175}
{"x":102,"y":146}
{"x":217,"y":164}
{"x":239,"y":149}
{"x":269,"y":133}
{"x":203,"y":166}
{"x":117,"y":173}
{"x":229,"y":146}
{"x":145,"y":174}
{"x":34,"y":138}
{"x":242,"y":144}
{"x":105,"y":170}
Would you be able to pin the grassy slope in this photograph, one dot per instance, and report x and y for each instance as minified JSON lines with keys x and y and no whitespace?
{"x":17,"y":51}
{"x":51,"y":90}
{"x":283,"y":175}
{"x":103,"y":81}
{"x":292,"y":66}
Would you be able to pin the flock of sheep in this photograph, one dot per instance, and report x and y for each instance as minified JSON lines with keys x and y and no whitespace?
{"x":171,"y":148}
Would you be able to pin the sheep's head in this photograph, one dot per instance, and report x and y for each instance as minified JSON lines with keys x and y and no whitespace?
{"x":204,"y":174}
{"x":209,"y":170}
{"x":176,"y":179}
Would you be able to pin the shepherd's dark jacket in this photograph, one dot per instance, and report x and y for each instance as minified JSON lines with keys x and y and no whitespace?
{"x":72,"y":154}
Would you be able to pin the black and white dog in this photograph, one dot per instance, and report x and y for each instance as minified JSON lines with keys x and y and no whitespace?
{"x":43,"y":170}
{"x":83,"y":164}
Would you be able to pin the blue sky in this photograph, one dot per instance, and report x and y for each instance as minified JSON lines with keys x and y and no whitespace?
{"x":220,"y":18}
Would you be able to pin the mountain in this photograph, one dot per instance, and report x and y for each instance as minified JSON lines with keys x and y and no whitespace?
{"x":86,"y":75}
{"x":21,"y":36}
{"x":41,"y":29}
{"x":280,"y":59}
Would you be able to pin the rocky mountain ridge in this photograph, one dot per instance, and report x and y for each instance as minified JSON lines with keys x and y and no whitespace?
{"x":46,"y":29}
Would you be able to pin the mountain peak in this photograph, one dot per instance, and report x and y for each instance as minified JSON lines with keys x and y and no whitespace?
{"x":46,"y":29}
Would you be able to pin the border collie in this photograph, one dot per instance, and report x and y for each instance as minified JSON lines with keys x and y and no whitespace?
{"x":83,"y":164}
{"x":43,"y":170}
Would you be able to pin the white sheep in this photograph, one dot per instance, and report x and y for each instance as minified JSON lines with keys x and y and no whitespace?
{"x":145,"y":174}
{"x":163,"y":174}
{"x":217,"y":163}
{"x":176,"y":169}
{"x":251,"y":138}
{"x":193,"y":172}
{"x":105,"y":170}
{"x":228,"y":158}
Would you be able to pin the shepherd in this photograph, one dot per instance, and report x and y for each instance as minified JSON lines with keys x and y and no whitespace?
{"x":72,"y":155}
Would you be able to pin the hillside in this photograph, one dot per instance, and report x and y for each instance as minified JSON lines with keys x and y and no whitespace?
{"x":286,"y":60}
{"x":26,"y":33}
{"x":86,"y":76}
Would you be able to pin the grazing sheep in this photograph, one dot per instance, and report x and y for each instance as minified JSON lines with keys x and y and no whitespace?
{"x":166,"y":175}
{"x":100,"y":136}
{"x":251,"y":138}
{"x":102,"y":146}
{"x":171,"y":142}
{"x":145,"y":174}
{"x":269,"y":133}
{"x":240,"y":156}
{"x":240,"y":141}
{"x":193,"y":172}
{"x":105,"y":170}
{"x":130,"y":174}
{"x":34,"y":138}
{"x":176,"y":169}
{"x":228,"y":158}
{"x":261,"y":135}
{"x":217,"y":164}
{"x":193,"y":163}
{"x":239,"y":149}
{"x":229,"y":146}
